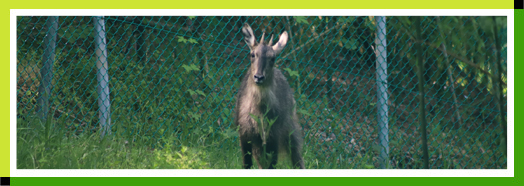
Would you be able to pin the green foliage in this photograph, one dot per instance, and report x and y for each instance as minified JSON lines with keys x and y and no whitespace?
{"x":292,"y":73}
{"x":183,"y":40}
{"x":301,"y":19}
{"x":350,"y":44}
{"x":264,"y":125}
{"x":190,"y":68}
{"x":182,"y":159}
{"x":174,"y":108}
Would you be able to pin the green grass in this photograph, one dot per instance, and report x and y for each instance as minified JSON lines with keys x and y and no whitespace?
{"x":38,"y":149}
{"x":45,"y":145}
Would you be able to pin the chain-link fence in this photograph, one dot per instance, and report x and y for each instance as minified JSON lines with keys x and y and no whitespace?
{"x":150,"y":77}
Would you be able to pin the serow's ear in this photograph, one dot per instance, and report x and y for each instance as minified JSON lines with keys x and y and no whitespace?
{"x":281,"y":43}
{"x":249,"y":37}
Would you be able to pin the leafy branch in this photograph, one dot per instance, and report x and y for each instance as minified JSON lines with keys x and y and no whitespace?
{"x":311,"y":40}
{"x":454,"y":55}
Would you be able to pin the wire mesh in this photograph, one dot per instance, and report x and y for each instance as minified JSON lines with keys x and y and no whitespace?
{"x":179,"y":75}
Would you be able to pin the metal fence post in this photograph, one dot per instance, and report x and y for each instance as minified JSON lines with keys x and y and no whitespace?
{"x":421,"y":82}
{"x":48,"y":58}
{"x":382,"y":91}
{"x":499,"y":91}
{"x":102,"y":76}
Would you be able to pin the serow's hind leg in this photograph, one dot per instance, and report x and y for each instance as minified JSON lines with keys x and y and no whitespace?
{"x":272,"y":150}
{"x":296,"y":156}
{"x":246,"y":154}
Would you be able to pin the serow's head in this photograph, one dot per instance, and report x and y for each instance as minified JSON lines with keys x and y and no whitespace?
{"x":262,"y":54}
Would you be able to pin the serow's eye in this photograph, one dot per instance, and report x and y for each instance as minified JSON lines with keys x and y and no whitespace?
{"x":253,"y":55}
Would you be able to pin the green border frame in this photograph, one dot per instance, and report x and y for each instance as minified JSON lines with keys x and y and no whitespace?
{"x":518,"y":46}
{"x":4,"y":95}
{"x":240,"y":4}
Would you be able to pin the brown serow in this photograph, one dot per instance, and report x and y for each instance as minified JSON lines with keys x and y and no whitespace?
{"x":265,"y":94}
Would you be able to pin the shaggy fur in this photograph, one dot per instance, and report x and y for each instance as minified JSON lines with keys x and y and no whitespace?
{"x":270,"y":94}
